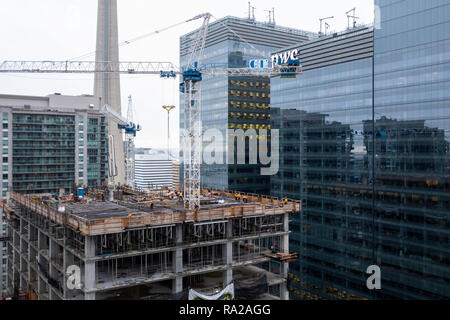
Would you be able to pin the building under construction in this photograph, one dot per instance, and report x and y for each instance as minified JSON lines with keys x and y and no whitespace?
{"x":147,"y":245}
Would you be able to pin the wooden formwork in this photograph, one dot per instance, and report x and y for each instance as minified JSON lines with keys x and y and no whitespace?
{"x":265,"y":206}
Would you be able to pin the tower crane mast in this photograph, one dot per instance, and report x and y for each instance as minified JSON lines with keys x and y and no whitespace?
{"x":130,"y":134}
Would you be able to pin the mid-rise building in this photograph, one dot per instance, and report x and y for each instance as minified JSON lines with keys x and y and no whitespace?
{"x":51,"y":143}
{"x":236,"y":102}
{"x":153,"y":169}
{"x":364,"y":144}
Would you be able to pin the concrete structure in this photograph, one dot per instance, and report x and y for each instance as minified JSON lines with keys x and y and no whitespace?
{"x":365,"y":147}
{"x":51,"y":143}
{"x":143,"y":251}
{"x":107,"y":85}
{"x":236,"y":102}
{"x":153,"y":169}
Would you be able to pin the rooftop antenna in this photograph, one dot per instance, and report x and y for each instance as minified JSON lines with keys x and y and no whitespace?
{"x":326,"y":24}
{"x":273,"y":15}
{"x":251,"y":12}
{"x":353,"y":16}
{"x":270,"y":15}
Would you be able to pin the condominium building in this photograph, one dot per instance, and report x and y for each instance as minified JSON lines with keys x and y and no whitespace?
{"x":51,"y":143}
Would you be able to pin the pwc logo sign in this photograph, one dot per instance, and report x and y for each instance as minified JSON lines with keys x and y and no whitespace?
{"x":284,"y":57}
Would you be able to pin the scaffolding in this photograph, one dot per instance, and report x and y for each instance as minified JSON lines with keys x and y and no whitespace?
{"x":130,"y":243}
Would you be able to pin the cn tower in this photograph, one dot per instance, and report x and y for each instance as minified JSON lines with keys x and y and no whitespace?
{"x":107,"y":85}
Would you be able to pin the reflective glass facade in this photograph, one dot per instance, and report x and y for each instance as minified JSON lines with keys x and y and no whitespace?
{"x":374,"y":178}
{"x":412,"y":160}
{"x":236,"y":102}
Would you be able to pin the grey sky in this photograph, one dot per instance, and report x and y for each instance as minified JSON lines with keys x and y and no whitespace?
{"x":64,"y":29}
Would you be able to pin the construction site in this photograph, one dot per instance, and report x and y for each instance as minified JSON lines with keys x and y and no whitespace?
{"x":147,"y":245}
{"x":112,"y":242}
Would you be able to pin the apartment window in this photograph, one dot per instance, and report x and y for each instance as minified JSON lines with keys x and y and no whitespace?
{"x":5,"y":126}
{"x":5,"y":134}
{"x":5,"y":176}
{"x":5,"y":159}
{"x":5,"y":116}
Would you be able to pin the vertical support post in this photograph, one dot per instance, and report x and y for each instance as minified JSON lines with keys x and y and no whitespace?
{"x":228,"y":253}
{"x":284,"y":266}
{"x":177,"y":283}
{"x":51,"y":270}
{"x":89,"y":268}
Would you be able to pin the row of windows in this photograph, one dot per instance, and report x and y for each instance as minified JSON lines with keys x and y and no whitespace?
{"x":249,"y":105}
{"x":249,"y":94}
{"x":238,"y":115}
{"x":245,"y":84}
{"x":246,"y":126}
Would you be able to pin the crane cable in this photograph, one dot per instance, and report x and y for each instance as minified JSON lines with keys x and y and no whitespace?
{"x":140,"y":37}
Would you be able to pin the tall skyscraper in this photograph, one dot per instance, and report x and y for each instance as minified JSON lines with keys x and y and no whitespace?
{"x":107,"y":85}
{"x":236,"y":102}
{"x":365,"y":145}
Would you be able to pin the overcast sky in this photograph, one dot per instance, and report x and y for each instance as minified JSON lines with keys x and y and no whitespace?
{"x":64,"y":29}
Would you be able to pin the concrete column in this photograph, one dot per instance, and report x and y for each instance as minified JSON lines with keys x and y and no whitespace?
{"x":89,"y":267}
{"x":227,"y":275}
{"x":177,"y":283}
{"x":284,"y":246}
{"x":40,"y":284}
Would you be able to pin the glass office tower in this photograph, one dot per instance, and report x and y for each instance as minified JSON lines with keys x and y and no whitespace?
{"x":321,"y":115}
{"x":411,"y":154}
{"x":371,"y":166}
{"x":236,"y":102}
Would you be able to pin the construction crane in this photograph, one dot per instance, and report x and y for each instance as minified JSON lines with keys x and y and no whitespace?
{"x":190,"y":86}
{"x":130,"y":129}
{"x":130,"y":133}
